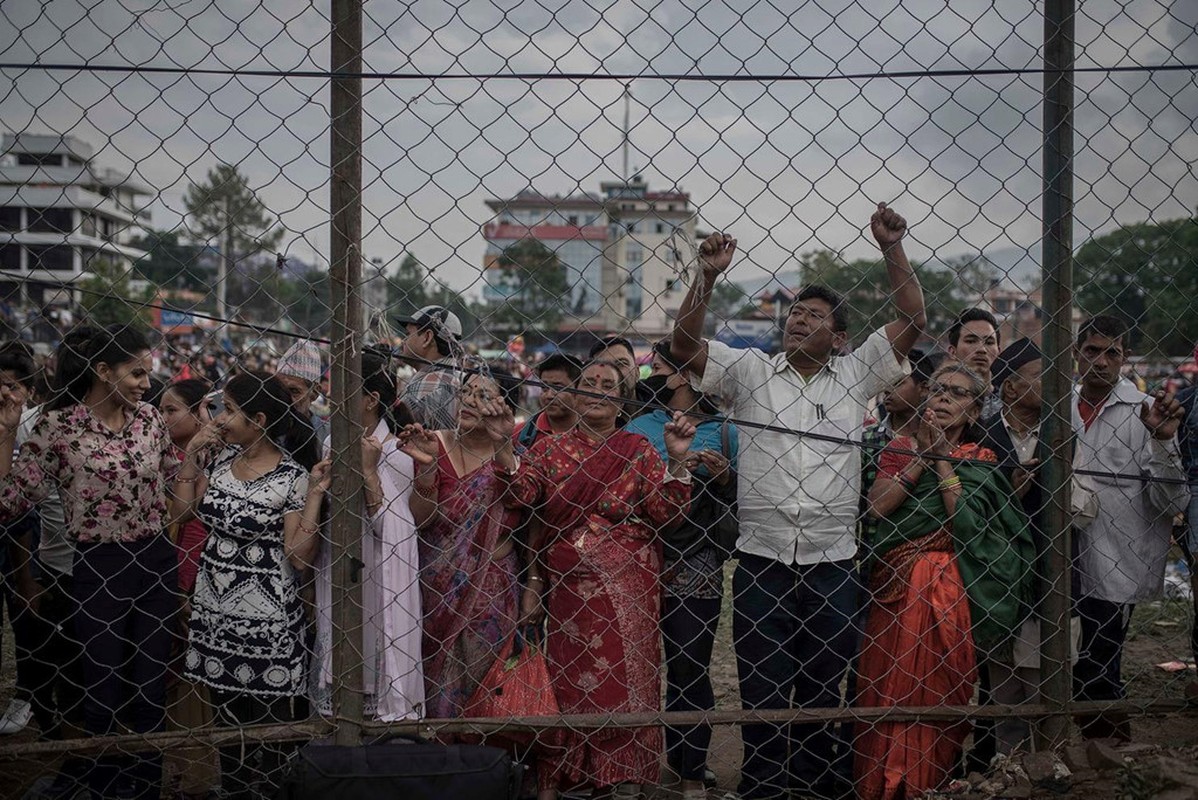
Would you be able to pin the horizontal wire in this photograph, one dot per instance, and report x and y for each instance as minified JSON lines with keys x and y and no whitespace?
{"x":639,"y":405}
{"x":680,"y":77}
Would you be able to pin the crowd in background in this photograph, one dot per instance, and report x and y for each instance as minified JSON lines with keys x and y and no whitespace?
{"x":168,"y":557}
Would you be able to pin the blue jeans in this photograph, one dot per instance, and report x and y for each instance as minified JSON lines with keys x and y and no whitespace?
{"x":794,"y":634}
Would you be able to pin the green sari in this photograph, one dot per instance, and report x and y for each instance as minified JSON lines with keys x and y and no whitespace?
{"x":992,"y":542}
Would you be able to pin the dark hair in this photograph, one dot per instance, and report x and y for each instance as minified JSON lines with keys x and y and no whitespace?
{"x":378,"y":378}
{"x":192,"y":392}
{"x":563,"y":361}
{"x":923,"y":364}
{"x":1103,"y":325}
{"x":627,"y":391}
{"x":17,"y":358}
{"x":262,"y":393}
{"x":154,"y":394}
{"x":509,"y":387}
{"x":662,"y":350}
{"x":606,"y":342}
{"x":840,"y":311}
{"x":79,"y":353}
{"x":972,"y":315}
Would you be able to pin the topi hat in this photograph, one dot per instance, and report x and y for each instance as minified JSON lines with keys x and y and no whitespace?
{"x":302,"y":360}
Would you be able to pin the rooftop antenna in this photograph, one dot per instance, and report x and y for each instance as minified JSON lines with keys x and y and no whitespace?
{"x":627,"y":116}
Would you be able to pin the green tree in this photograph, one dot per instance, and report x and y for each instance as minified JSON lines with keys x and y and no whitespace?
{"x":407,"y":287}
{"x":729,"y":301}
{"x":1148,"y":275}
{"x":108,"y":299}
{"x":540,"y":283}
{"x":172,"y":264}
{"x":865,"y":286}
{"x":225,"y":213}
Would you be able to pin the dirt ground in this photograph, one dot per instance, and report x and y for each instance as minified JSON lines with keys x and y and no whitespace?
{"x":1159,"y":634}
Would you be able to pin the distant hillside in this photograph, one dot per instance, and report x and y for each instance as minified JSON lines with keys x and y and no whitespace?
{"x":1019,"y":265}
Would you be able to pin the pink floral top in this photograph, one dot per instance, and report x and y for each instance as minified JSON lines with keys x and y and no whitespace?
{"x":113,"y":483}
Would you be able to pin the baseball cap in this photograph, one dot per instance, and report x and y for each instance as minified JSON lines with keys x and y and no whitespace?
{"x":444,"y":324}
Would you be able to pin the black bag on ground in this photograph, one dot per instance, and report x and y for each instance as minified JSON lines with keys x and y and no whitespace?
{"x":412,"y":770}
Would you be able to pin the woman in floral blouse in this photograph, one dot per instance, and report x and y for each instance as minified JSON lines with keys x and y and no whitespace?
{"x":603,"y":494}
{"x":111,"y":458}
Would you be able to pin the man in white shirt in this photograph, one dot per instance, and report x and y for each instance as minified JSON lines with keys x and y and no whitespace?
{"x":1121,"y":555}
{"x":795,"y":588}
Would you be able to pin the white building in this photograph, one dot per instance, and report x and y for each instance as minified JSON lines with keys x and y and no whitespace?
{"x":60,"y":215}
{"x":650,"y":235}
{"x":573,"y":227}
{"x":620,"y":250}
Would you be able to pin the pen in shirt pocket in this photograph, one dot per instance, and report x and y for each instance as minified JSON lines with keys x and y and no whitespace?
{"x":819,"y":411}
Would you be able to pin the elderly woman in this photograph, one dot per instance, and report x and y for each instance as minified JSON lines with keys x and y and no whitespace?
{"x":602,"y":494}
{"x":953,"y":559}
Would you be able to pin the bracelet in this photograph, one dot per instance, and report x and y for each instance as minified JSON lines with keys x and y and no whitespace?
{"x":535,"y":578}
{"x":950,"y":483}
{"x":187,"y":480}
{"x":906,"y":481}
{"x":308,"y":528}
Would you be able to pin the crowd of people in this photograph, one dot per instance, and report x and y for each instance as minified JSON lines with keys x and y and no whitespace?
{"x":170,"y":560}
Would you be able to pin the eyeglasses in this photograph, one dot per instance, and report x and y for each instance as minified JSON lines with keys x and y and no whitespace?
{"x":959,"y":392}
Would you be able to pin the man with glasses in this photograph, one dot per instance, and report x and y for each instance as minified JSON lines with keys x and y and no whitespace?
{"x":795,"y":588}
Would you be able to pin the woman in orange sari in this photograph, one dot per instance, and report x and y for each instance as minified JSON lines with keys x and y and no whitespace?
{"x":953,"y":557}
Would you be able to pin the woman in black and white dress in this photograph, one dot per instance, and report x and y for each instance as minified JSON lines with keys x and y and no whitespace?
{"x":261,"y":506}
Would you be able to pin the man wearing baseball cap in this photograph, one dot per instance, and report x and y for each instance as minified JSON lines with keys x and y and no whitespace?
{"x":434,"y":337}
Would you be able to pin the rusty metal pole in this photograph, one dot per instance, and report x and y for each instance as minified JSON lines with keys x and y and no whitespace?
{"x":345,"y":273}
{"x":1056,"y":429}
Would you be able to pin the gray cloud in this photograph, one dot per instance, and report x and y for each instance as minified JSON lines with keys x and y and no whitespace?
{"x":788,"y":166}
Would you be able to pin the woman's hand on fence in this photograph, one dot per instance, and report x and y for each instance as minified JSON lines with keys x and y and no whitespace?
{"x":717,"y":465}
{"x":320,"y":478}
{"x":499,"y":421}
{"x":372,"y":452}
{"x":678,"y":435}
{"x":419,"y":443}
{"x":10,"y":417}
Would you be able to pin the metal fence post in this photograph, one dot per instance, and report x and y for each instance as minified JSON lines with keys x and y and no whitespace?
{"x":1056,"y":435}
{"x":345,"y":272}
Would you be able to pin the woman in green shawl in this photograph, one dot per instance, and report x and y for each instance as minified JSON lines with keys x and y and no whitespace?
{"x":952,"y":563}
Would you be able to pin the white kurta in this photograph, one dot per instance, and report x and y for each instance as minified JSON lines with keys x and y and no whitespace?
{"x":391,"y":614}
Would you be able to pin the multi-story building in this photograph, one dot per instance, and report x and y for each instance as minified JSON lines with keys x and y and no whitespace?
{"x":61,"y":216}
{"x":623,"y":251}
{"x":572,"y":226}
{"x":651,"y":235}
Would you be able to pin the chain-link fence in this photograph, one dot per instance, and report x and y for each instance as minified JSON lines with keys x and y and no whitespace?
{"x":717,"y":400}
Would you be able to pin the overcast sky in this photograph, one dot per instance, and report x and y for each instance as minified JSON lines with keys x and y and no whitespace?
{"x":787,"y":167}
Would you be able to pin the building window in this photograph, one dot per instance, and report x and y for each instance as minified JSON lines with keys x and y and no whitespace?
{"x":572,"y":219}
{"x":659,"y":228}
{"x":10,"y":218}
{"x":50,"y":220}
{"x":39,"y":159}
{"x":10,"y":256}
{"x":634,"y":257}
{"x":58,"y":258}
{"x":632,"y":227}
{"x":88,"y":228}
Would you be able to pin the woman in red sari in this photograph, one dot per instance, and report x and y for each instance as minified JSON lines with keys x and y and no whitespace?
{"x":602,"y":494}
{"x":469,"y":565}
{"x":953,"y":558}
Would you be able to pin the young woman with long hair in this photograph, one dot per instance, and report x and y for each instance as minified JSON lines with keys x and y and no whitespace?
{"x":112,"y":459}
{"x":250,"y":476}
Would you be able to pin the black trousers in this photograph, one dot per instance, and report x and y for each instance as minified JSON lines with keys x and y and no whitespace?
{"x":249,"y":769}
{"x":55,"y":682}
{"x":126,"y":596}
{"x":688,"y":627}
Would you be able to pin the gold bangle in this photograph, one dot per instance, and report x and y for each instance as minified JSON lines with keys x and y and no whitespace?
{"x":950,"y":483}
